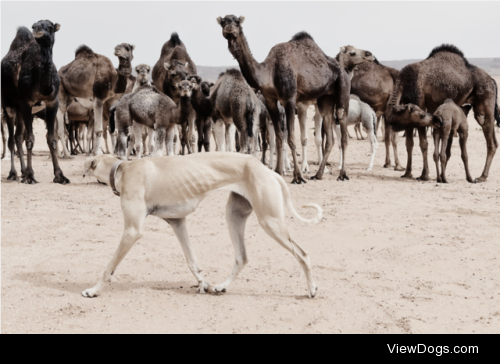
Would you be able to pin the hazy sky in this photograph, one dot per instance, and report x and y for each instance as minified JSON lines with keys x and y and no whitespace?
{"x":392,"y":31}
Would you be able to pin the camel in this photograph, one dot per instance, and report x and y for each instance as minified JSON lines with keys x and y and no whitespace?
{"x":173,"y":66}
{"x":445,"y":74}
{"x":28,"y":77}
{"x":149,"y":107}
{"x":92,"y":76}
{"x":80,"y":115}
{"x":293,"y":72}
{"x":349,"y":59}
{"x":454,"y":119}
{"x":204,"y":109}
{"x":374,"y":83}
{"x":235,"y":102}
{"x":361,"y":113}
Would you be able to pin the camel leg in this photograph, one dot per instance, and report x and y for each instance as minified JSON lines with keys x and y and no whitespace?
{"x":339,"y":137}
{"x":409,"y":151}
{"x":445,"y":147}
{"x":151,"y":139}
{"x":218,"y":131}
{"x":436,"y":135}
{"x":190,"y":133}
{"x":272,"y":144}
{"x":137,"y":132}
{"x":207,"y":128}
{"x":50,"y":121}
{"x":326,"y":109}
{"x":90,"y":137}
{"x":180,"y":229}
{"x":394,"y":142}
{"x":171,"y":130}
{"x":302,"y":114}
{"x":272,"y":108}
{"x":357,"y":129}
{"x":19,"y":137}
{"x":344,"y":138}
{"x":11,"y":121}
{"x":98,"y":109}
{"x":238,"y":210}
{"x":464,"y":134}
{"x":4,"y":136}
{"x":286,"y":160}
{"x":105,"y":135}
{"x":372,"y":137}
{"x":491,"y":144}
{"x":200,"y":130}
{"x":388,"y":134}
{"x":424,"y":145}
{"x":134,"y":213}
{"x":318,"y":136}
{"x":63,"y":107}
{"x":159,"y":135}
{"x":230,"y":137}
{"x":290,"y":120}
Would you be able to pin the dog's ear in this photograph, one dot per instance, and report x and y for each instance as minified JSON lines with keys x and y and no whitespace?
{"x":90,"y":165}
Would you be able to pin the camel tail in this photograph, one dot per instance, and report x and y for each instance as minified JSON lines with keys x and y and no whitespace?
{"x":112,"y":112}
{"x":288,"y":201}
{"x":249,"y":115}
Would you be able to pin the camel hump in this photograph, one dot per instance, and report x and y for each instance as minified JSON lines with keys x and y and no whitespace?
{"x":233,"y":72}
{"x":84,"y":50}
{"x":301,"y":36}
{"x":174,"y":38}
{"x":450,"y":48}
{"x":23,"y":36}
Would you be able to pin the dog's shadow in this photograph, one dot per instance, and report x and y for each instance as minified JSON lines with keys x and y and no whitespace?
{"x":46,"y":279}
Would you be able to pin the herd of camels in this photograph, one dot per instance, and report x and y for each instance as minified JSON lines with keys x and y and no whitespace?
{"x":258,"y":102}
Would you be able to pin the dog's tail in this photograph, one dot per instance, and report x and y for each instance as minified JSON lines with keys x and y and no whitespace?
{"x":288,"y":201}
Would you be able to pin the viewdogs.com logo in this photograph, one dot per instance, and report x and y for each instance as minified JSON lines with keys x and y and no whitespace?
{"x":429,"y":349}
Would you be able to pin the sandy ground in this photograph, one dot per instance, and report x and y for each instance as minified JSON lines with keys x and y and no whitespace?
{"x":390,"y":256}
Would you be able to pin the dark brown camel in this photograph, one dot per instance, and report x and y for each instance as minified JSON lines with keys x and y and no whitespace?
{"x":295,"y":71}
{"x":454,"y":119}
{"x":30,"y":77}
{"x":445,"y":74}
{"x":374,"y":83}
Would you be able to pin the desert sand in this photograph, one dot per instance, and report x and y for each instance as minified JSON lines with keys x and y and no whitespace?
{"x":390,"y":256}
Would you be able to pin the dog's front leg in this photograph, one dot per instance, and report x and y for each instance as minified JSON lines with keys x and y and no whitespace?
{"x":180,"y":229}
{"x":134,"y":218}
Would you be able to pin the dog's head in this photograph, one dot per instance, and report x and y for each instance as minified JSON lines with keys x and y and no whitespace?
{"x":98,"y":166}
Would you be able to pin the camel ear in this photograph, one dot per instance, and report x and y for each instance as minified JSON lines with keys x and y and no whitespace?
{"x":166,"y":65}
{"x":57,"y":26}
{"x":173,"y":73}
{"x":343,"y":49}
{"x":186,"y":65}
{"x":33,"y":25}
{"x":211,"y":84}
{"x":132,"y":46}
{"x":219,"y":20}
{"x":242,"y":19}
{"x":177,"y":85}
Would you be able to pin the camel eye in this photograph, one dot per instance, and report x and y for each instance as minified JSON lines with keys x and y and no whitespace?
{"x":353,"y":53}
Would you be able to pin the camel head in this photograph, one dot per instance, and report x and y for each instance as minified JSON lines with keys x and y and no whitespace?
{"x":411,"y":116}
{"x":205,"y":87}
{"x":142,"y":73}
{"x":125,"y":51}
{"x":231,"y":26}
{"x":176,"y":72}
{"x":350,"y":56}
{"x":185,"y":88}
{"x":195,"y":80}
{"x":44,"y":31}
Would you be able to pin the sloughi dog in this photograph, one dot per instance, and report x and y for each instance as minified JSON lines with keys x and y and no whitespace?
{"x":172,"y":187}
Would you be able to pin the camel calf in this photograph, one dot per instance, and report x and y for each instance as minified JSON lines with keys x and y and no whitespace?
{"x":453,"y":118}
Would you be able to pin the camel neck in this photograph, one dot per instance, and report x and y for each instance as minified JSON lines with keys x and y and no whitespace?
{"x":124,"y":71}
{"x":46,"y":69}
{"x":349,"y":68}
{"x":201,"y":103}
{"x":250,"y":68}
{"x":184,"y":109}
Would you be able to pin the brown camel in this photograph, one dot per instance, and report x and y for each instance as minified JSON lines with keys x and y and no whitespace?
{"x":173,"y":67}
{"x":92,"y":76}
{"x":293,"y":72}
{"x":374,"y":83}
{"x":349,"y":59}
{"x":454,"y":119}
{"x":445,"y":74}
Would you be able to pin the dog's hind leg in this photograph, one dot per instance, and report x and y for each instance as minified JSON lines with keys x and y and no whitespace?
{"x":271,"y":218}
{"x":237,"y":211}
{"x":180,"y":229}
{"x":134,"y":213}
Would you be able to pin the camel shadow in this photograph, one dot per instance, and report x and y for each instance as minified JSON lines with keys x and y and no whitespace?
{"x":45,"y":279}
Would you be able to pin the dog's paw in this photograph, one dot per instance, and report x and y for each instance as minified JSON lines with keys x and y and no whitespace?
{"x":90,"y":293}
{"x":203,"y":288}
{"x":219,"y":289}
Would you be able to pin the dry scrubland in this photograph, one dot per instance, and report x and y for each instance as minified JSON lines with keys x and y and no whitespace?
{"x":390,"y":256}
